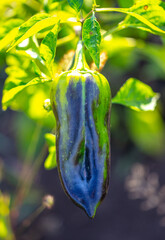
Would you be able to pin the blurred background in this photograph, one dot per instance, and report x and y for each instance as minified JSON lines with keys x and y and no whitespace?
{"x":135,"y":205}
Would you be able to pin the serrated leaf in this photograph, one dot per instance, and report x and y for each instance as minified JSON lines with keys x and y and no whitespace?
{"x":76,"y":4}
{"x":9,"y":95}
{"x":50,"y":161}
{"x":32,"y":26}
{"x":92,"y":38}
{"x":48,"y":47}
{"x":136,"y":95}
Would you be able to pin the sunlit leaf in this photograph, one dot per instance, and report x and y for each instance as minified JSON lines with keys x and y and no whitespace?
{"x":10,"y":94}
{"x":66,"y":16}
{"x":21,"y":67}
{"x":31,"y":101}
{"x":21,"y":70}
{"x":9,"y":25}
{"x":48,"y":47}
{"x":4,"y":42}
{"x":92,"y":38}
{"x":145,"y":15}
{"x":29,"y":48}
{"x":32,"y":26}
{"x":8,"y":32}
{"x":136,"y":95}
{"x":75,"y":4}
{"x":50,"y":161}
{"x":151,"y":11}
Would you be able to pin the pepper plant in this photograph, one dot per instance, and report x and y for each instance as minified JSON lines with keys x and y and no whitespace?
{"x":38,"y":40}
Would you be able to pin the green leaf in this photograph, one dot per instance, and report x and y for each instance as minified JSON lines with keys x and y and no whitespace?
{"x":8,"y":25}
{"x":32,"y":26}
{"x":136,"y":95}
{"x":76,"y":4}
{"x":8,"y":32}
{"x":151,"y":13}
{"x":50,"y":161}
{"x":4,"y":42}
{"x":48,"y":47}
{"x":145,"y":15}
{"x":147,"y":131}
{"x":9,"y":95}
{"x":92,"y":38}
{"x":123,"y":3}
{"x":21,"y":70}
{"x":30,"y":48}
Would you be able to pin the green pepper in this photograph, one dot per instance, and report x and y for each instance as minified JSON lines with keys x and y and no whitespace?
{"x":81,"y":101}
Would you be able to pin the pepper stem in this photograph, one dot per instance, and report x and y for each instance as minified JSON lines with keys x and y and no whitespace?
{"x":80,"y":61}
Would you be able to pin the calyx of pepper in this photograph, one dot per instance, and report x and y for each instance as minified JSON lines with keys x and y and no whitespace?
{"x":81,"y":101}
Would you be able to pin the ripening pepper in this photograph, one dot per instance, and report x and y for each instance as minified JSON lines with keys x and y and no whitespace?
{"x":81,"y":101}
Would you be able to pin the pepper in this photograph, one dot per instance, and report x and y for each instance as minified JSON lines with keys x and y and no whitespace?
{"x":81,"y":101}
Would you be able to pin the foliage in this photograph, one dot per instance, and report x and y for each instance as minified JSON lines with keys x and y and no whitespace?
{"x":147,"y":131}
{"x":92,"y":38}
{"x":136,"y":95}
{"x":36,"y":38}
{"x":76,"y":4}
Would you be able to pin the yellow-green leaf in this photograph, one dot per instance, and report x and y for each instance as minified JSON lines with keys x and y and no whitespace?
{"x":4,"y":42}
{"x":9,"y":95}
{"x":48,"y":47}
{"x":145,"y":14}
{"x":136,"y":95}
{"x":151,"y":11}
{"x":32,"y":26}
{"x":8,"y":31}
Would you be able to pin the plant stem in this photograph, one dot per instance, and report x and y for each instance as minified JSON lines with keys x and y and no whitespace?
{"x":32,"y":146}
{"x":103,"y":10}
{"x":87,"y":15}
{"x":29,"y":219}
{"x":94,"y":6}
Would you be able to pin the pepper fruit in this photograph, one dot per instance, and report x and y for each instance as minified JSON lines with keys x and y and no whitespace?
{"x":81,"y":101}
